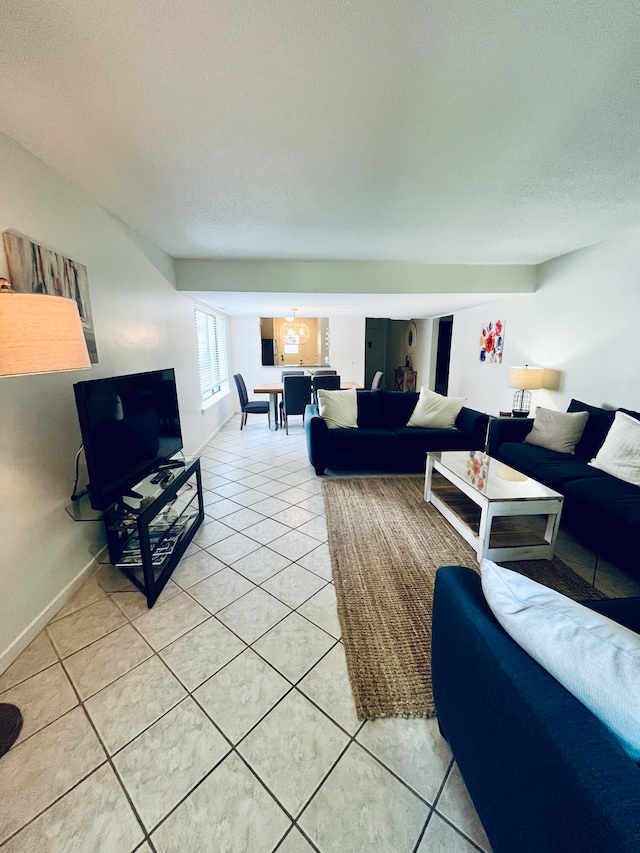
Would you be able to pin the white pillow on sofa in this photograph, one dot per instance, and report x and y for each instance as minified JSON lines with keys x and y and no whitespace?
{"x":338,"y":408}
{"x":435,"y":411}
{"x":620,"y":453}
{"x":593,"y":657}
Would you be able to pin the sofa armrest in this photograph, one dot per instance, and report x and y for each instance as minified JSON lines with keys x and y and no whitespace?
{"x":475,"y":425}
{"x":502,"y":430}
{"x":543,"y":772}
{"x":317,"y":434}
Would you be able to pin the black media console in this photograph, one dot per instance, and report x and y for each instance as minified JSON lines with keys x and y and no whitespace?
{"x":149,"y":530}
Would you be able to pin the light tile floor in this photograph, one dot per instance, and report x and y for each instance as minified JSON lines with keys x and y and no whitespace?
{"x":222,"y":719}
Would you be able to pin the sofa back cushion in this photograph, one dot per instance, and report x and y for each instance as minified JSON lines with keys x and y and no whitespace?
{"x":396,"y":407}
{"x":596,"y":429}
{"x":369,"y":415}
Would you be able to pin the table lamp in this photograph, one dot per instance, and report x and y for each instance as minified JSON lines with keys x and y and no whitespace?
{"x":526,"y":379}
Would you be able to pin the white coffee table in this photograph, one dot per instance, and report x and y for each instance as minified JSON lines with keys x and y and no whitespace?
{"x":498,"y":491}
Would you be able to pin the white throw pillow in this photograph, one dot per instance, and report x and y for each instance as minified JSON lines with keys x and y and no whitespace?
{"x":559,"y":431}
{"x":593,"y":657}
{"x":338,"y":408}
{"x":435,"y":411}
{"x":620,"y":453}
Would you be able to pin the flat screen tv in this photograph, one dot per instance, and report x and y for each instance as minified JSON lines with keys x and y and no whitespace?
{"x":130,"y":426}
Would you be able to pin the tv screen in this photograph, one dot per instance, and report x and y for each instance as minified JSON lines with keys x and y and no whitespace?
{"x":130,"y":425}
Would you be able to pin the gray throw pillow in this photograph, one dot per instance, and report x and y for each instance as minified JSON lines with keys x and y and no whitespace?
{"x":559,"y":431}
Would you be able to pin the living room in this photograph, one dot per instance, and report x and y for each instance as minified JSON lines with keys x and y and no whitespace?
{"x":568,"y":306}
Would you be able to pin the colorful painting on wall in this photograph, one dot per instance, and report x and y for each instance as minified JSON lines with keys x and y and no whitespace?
{"x":34,"y":269}
{"x":492,"y":342}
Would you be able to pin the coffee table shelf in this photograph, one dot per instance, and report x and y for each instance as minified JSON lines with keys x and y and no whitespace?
{"x":489,"y":503}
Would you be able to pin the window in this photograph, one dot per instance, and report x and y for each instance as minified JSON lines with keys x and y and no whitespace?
{"x":211,"y":338}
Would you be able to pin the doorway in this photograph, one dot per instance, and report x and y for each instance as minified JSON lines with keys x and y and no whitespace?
{"x":375,"y":348}
{"x":443,"y":354}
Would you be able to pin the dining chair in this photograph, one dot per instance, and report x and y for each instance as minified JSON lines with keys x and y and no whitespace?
{"x":282,"y":375}
{"x":249,"y":407}
{"x":329,"y":383}
{"x":323,"y":372}
{"x":296,"y":395}
{"x":377,"y":380}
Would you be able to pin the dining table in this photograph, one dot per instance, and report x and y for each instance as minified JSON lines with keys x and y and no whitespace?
{"x":273,"y":389}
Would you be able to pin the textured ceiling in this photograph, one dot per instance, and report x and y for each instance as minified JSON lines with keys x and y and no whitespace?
{"x":442,"y":131}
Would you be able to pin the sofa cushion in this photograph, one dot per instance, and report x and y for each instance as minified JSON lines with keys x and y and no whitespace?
{"x":431,"y":439}
{"x":369,"y":409}
{"x":563,"y":468}
{"x":611,"y":496}
{"x":596,"y":428}
{"x":593,"y":657}
{"x":525,"y":457}
{"x":338,"y":408}
{"x":549,"y":467}
{"x":620,"y":453}
{"x":434,"y":411}
{"x":558,"y":431}
{"x":396,"y":407}
{"x":381,"y":442}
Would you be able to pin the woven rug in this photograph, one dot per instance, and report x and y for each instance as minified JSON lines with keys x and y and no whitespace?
{"x":386,"y":544}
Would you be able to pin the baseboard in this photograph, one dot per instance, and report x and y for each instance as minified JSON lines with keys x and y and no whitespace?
{"x":23,"y":639}
{"x":214,"y":433}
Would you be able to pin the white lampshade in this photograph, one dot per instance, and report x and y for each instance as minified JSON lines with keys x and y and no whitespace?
{"x":40,"y":334}
{"x":526,"y":378}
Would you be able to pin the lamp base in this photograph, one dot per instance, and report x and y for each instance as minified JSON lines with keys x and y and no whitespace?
{"x":521,"y":404}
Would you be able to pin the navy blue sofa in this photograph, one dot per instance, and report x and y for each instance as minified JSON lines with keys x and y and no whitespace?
{"x":545,"y":775}
{"x":603,"y":511}
{"x":382,"y":440}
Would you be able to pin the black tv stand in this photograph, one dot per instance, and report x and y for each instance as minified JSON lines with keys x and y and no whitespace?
{"x":148,"y":533}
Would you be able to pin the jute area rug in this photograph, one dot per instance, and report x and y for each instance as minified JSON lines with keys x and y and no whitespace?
{"x":386,"y":544}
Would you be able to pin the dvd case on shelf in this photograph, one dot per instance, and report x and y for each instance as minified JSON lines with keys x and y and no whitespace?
{"x":164,"y":535}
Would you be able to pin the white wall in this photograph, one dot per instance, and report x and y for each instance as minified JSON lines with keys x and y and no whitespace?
{"x":346,"y":353}
{"x":368,"y":277}
{"x":141,"y":323}
{"x":583,"y":322}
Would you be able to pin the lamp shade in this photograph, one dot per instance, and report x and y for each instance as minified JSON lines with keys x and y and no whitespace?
{"x":40,"y":334}
{"x":526,"y":378}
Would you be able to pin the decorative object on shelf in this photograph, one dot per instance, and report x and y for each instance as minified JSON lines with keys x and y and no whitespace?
{"x":404,"y":379}
{"x":526,"y":379}
{"x":35,"y":269}
{"x":492,"y":342}
{"x":39,"y":333}
{"x":294,"y":331}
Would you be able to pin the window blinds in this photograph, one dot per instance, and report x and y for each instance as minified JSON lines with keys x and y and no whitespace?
{"x":211,"y":338}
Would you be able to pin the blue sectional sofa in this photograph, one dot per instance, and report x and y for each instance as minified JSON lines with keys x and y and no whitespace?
{"x":601,"y":510}
{"x":545,"y":775}
{"x":382,"y":441}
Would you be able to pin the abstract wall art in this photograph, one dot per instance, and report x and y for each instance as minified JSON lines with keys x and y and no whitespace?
{"x":492,"y":342}
{"x":35,"y":269}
